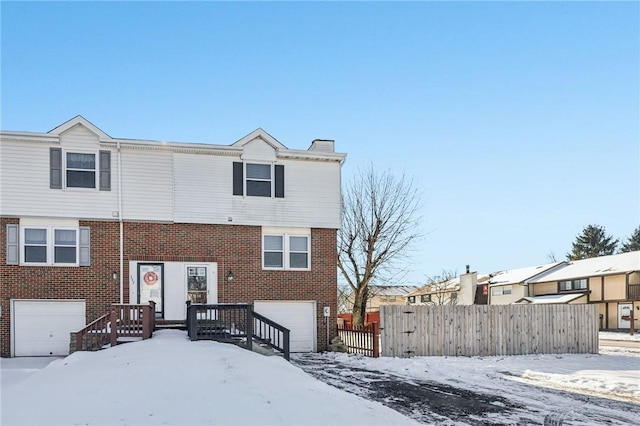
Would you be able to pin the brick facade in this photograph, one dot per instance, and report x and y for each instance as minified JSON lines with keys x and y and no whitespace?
{"x":94,"y":284}
{"x":233,"y":247}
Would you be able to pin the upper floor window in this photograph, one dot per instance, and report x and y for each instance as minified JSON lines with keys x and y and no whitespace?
{"x":285,"y":251}
{"x":59,"y":245}
{"x":79,"y":170}
{"x":425,"y":298}
{"x":570,"y":285}
{"x":258,"y":179}
{"x":411,"y":299}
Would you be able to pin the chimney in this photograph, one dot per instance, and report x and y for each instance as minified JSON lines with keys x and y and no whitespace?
{"x":322,"y":145}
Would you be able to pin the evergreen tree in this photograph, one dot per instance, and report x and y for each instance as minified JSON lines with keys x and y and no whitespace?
{"x":593,"y":242}
{"x":633,"y":243}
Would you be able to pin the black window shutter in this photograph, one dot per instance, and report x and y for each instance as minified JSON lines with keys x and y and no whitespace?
{"x":279,"y":181}
{"x":238,"y":183}
{"x":55,"y":168}
{"x":105,"y":170}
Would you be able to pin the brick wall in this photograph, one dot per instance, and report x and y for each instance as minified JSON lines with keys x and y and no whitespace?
{"x":93,"y":283}
{"x":233,"y":247}
{"x":238,"y":248}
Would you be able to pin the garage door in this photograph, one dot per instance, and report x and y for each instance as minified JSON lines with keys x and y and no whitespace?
{"x":299,"y":317}
{"x":42,"y":327}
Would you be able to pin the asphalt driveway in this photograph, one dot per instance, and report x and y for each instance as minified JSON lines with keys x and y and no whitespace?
{"x":456,"y":404}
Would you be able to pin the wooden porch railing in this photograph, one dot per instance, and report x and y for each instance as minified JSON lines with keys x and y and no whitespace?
{"x":236,"y":323}
{"x":363,"y":340}
{"x":121,"y":322}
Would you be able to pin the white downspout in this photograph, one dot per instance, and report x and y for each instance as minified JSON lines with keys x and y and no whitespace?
{"x":121,"y":224}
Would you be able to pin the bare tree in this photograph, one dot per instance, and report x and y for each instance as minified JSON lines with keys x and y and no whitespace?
{"x":380,"y":222}
{"x":442,"y":288}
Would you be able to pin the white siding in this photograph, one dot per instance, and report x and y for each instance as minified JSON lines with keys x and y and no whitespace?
{"x":203,"y":194}
{"x":24,"y":187}
{"x":147,"y":185}
{"x":79,"y":138}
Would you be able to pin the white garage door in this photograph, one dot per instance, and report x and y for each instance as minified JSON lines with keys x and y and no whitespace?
{"x":299,"y":317}
{"x":42,"y":327}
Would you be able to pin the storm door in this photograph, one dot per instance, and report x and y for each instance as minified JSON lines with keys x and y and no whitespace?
{"x":151,"y":285}
{"x":197,"y":277}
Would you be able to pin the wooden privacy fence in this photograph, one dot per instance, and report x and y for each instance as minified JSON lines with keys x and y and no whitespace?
{"x":484,"y":330}
{"x":364,"y":340}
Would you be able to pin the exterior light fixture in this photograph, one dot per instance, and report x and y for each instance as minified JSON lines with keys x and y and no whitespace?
{"x":115,"y":275}
{"x":230,"y":277}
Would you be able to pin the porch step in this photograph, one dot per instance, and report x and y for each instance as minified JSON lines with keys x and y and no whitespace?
{"x":171,"y":325}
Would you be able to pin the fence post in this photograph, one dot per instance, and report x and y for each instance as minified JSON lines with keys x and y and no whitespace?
{"x":146,"y":321}
{"x":192,"y":328}
{"x":631,"y":321}
{"x":249,"y":327}
{"x":114,"y":327}
{"x":285,"y":346}
{"x":376,"y":339}
{"x":152,"y":317}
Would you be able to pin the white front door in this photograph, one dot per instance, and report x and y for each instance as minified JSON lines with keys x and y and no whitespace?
{"x":624,"y":315}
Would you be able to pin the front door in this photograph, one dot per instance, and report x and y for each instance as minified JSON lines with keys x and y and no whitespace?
{"x":197,"y":277}
{"x":624,"y":315}
{"x":151,"y":285}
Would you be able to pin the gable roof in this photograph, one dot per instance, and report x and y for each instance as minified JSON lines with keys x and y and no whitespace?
{"x":260,"y":134}
{"x":594,"y":267}
{"x":520,"y":275}
{"x":76,"y":121}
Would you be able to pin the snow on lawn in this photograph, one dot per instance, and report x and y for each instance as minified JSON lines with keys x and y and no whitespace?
{"x":617,"y":335}
{"x":606,"y":376}
{"x":171,"y":380}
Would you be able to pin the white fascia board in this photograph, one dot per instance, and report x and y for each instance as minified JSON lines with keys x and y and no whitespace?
{"x":310,"y":155}
{"x":29,"y":137}
{"x":201,"y":148}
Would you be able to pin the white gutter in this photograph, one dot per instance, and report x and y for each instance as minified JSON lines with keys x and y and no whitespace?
{"x":121,"y":224}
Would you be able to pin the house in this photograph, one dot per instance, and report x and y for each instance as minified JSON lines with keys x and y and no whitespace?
{"x":387,"y":295}
{"x":455,"y":291}
{"x":510,"y":286}
{"x":611,"y":282}
{"x":89,"y":220}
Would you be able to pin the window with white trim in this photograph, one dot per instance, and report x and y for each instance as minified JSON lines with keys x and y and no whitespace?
{"x":90,"y":170}
{"x":258,"y":179}
{"x":50,"y":246}
{"x":286,"y":251}
{"x":425,"y":298}
{"x":80,"y":170}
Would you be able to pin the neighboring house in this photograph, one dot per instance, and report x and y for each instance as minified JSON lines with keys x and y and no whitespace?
{"x":383,"y":295}
{"x":611,"y":282}
{"x":510,"y":286}
{"x":89,"y":220}
{"x":456,"y":291}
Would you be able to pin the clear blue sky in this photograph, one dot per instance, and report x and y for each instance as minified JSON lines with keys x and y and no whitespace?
{"x":520,"y":121}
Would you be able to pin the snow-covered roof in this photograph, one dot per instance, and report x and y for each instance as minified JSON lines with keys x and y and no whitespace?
{"x":552,"y":298}
{"x":391,"y":290}
{"x":451,"y":285}
{"x":518,"y":276}
{"x":596,"y":266}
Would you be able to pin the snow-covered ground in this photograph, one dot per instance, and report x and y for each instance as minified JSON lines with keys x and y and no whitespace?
{"x":171,"y":380}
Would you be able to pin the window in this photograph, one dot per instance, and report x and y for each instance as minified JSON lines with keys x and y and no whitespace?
{"x":571,"y":285}
{"x":412,"y":299}
{"x":286,"y":251}
{"x":391,"y":298}
{"x":80,"y":170}
{"x":50,"y":245}
{"x":258,"y":180}
{"x":35,"y":245}
{"x":425,"y":298}
{"x":506,"y":289}
{"x":496,"y":291}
